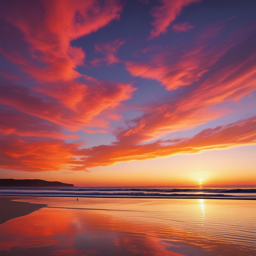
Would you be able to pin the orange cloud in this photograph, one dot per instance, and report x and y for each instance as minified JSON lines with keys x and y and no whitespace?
{"x":182,"y":27}
{"x":36,"y":156}
{"x":181,"y":68}
{"x":221,"y":137}
{"x":50,"y":26}
{"x":229,"y":84}
{"x":165,"y":14}
{"x":72,"y":105}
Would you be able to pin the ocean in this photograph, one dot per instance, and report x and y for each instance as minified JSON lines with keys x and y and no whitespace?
{"x":135,"y":192}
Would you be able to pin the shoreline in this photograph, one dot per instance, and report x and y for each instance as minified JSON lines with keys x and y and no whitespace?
{"x":129,"y":197}
{"x":12,"y":209}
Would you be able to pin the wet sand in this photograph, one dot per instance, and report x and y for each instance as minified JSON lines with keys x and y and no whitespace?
{"x":11,"y":209}
{"x":96,"y":226}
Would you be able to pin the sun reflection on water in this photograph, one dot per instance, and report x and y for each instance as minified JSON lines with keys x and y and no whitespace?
{"x":201,"y":201}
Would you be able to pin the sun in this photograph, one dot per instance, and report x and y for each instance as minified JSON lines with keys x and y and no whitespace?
{"x":201,"y":180}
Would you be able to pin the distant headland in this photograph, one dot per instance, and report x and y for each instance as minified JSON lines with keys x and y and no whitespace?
{"x":32,"y":183}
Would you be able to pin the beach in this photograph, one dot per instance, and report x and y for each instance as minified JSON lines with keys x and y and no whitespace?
{"x":127,"y":226}
{"x":11,"y":209}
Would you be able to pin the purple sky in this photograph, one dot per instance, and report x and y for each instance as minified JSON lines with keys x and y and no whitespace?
{"x":123,"y":93}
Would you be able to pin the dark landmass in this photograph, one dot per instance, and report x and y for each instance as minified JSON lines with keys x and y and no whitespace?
{"x":32,"y":183}
{"x":11,"y":209}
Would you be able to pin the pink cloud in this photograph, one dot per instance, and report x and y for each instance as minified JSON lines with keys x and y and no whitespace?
{"x":109,"y":50}
{"x":165,"y":14}
{"x":15,"y":122}
{"x":228,"y":84}
{"x":73,"y":105}
{"x":181,"y":68}
{"x":49,"y":28}
{"x":182,"y":27}
{"x":61,"y":101}
{"x":95,"y":131}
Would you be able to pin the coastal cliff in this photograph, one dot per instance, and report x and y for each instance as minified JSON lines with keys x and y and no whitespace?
{"x":32,"y":183}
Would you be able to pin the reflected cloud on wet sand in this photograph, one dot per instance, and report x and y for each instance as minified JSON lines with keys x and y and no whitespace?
{"x":117,"y":227}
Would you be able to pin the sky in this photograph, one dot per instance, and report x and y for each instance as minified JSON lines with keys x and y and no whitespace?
{"x":128,"y":93}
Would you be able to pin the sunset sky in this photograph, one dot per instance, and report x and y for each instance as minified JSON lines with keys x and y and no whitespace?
{"x":128,"y":93}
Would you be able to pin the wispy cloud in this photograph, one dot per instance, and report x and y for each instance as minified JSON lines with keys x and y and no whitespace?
{"x":16,"y":122}
{"x":235,"y":134}
{"x":109,"y":50}
{"x":48,"y":94}
{"x":72,"y":105}
{"x":166,"y":13}
{"x":228,"y":84}
{"x":36,"y":156}
{"x":182,"y":27}
{"x":49,"y":28}
{"x":183,"y":67}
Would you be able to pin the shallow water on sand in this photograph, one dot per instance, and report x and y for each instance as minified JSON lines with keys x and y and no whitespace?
{"x":112,"y":226}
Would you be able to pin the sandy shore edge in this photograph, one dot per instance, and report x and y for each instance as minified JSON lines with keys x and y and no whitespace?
{"x":11,"y":209}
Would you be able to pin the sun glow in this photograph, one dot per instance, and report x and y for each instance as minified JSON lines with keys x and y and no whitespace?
{"x":200,"y":183}
{"x":201,"y":201}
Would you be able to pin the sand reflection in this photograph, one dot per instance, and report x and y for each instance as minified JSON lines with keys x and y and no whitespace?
{"x":115,"y":228}
{"x":76,"y":232}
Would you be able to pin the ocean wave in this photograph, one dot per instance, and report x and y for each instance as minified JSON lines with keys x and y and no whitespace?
{"x":132,"y":192}
{"x":149,"y":190}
